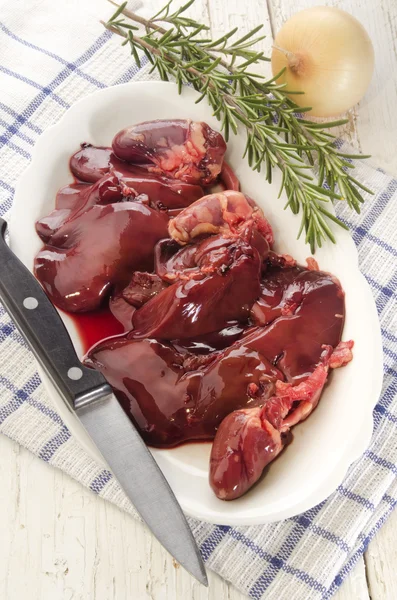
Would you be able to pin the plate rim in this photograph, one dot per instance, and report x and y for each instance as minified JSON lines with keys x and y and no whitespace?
{"x":356,"y":446}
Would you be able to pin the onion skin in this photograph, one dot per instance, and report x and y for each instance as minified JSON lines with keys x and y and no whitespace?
{"x":328,"y":55}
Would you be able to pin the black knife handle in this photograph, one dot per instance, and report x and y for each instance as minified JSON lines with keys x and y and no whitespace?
{"x":43,"y":328}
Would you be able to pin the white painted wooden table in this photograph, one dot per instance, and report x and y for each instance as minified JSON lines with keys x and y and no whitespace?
{"x":58,"y":541}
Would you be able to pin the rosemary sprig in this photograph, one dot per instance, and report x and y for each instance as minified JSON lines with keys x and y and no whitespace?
{"x":220,"y":70}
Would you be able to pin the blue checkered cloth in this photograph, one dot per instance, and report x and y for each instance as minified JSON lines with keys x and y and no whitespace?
{"x":48,"y":61}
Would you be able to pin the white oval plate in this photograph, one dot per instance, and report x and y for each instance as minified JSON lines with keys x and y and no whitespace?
{"x":339,"y":430}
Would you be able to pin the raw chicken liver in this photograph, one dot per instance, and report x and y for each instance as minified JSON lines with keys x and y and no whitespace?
{"x":223,"y":337}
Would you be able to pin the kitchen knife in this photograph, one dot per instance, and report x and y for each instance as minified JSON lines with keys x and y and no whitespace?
{"x":91,"y":397}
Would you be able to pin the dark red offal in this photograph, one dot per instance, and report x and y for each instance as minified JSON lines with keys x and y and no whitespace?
{"x":200,"y":327}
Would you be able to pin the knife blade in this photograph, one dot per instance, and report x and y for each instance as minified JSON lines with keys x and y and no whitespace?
{"x":92,"y":399}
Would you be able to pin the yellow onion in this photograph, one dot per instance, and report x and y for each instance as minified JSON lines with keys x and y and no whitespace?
{"x":328,"y":55}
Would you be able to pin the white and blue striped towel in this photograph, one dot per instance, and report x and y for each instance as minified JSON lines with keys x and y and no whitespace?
{"x":52,"y":54}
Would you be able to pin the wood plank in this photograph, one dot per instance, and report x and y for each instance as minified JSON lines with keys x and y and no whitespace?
{"x":61,"y":541}
{"x":227,"y":14}
{"x":355,"y":586}
{"x":381,"y":561}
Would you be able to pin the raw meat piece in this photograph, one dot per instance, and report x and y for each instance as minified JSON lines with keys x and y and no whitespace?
{"x":185,"y":150}
{"x":249,"y":439}
{"x":223,"y":212}
{"x":97,"y":251}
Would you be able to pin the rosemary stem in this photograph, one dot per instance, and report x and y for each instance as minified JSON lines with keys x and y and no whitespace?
{"x":157,"y":52}
{"x":150,"y":25}
{"x":141,"y":20}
